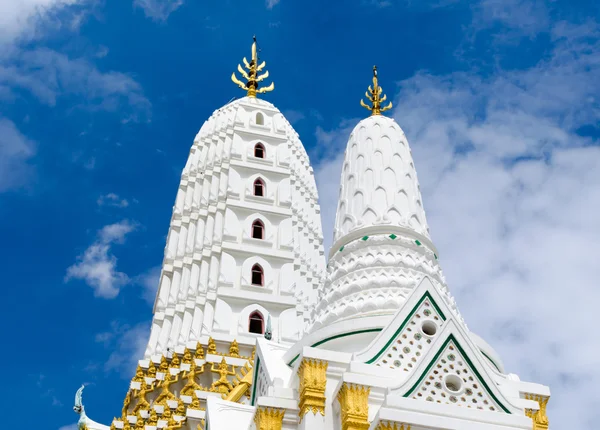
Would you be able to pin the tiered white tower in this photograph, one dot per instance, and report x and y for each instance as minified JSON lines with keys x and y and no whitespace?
{"x":245,"y":238}
{"x":385,"y":347}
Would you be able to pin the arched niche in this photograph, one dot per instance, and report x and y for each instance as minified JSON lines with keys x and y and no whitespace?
{"x":247,"y":266}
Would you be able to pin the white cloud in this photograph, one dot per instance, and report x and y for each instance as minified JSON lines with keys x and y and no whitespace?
{"x":517,"y":17}
{"x":512,"y":194}
{"x":127,"y":344}
{"x":19,"y":18}
{"x":48,"y":75}
{"x":97,"y":266}
{"x":112,"y":199}
{"x":158,"y":10}
{"x":15,"y":152}
{"x":271,"y":3}
{"x":69,"y":427}
{"x":149,"y":281}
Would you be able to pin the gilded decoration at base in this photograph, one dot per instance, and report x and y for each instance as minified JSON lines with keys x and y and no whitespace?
{"x":251,"y":76}
{"x":212,"y":346}
{"x":222,"y":385}
{"x":269,"y":418}
{"x":539,"y":417}
{"x":374,"y":96}
{"x":392,"y":426}
{"x":313,"y":379}
{"x":242,"y":383}
{"x":354,"y":405}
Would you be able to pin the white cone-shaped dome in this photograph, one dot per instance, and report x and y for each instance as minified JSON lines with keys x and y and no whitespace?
{"x":382,"y":249}
{"x":379,"y":185}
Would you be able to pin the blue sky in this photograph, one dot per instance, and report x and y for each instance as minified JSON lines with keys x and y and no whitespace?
{"x":100,"y":102}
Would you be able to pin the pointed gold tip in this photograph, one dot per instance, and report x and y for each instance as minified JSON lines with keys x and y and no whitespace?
{"x":251,"y":76}
{"x":376,"y":97}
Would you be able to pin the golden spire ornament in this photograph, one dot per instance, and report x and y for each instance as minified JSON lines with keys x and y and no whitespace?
{"x":375,"y":97}
{"x":251,"y":75}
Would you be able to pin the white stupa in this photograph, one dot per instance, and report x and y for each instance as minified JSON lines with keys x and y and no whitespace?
{"x":249,"y":332}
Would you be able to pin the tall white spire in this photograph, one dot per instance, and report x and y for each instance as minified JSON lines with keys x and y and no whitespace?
{"x":381,"y":248}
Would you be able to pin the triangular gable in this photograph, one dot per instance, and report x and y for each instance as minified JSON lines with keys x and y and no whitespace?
{"x":410,"y":334}
{"x":453,"y":372}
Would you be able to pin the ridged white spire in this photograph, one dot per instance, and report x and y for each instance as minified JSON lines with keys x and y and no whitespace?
{"x":379,"y":185}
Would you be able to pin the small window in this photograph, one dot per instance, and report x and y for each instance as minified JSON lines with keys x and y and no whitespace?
{"x":256,"y":323}
{"x":258,"y":229}
{"x":260,"y":119}
{"x":259,"y":150}
{"x":258,"y":275}
{"x":259,"y":188}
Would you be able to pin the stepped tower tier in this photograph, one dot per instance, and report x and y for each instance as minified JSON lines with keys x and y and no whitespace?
{"x":245,"y":240}
{"x":382,"y":248}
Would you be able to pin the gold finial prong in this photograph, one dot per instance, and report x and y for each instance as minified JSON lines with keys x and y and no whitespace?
{"x":251,"y":76}
{"x":374,"y":95}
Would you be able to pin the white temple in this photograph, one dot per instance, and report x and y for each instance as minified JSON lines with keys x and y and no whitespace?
{"x":251,"y":330}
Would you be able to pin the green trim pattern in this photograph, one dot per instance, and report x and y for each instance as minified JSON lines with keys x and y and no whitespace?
{"x":255,"y":381}
{"x":405,"y":322}
{"x":418,"y":242}
{"x":337,"y":336}
{"x":491,"y":361}
{"x":365,"y":237}
{"x":391,"y":236}
{"x":452,"y":339}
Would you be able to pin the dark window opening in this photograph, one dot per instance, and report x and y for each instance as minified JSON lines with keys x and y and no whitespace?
{"x":259,"y":188}
{"x":259,"y":150}
{"x":258,"y":229}
{"x":256,"y":323}
{"x":258,"y":276}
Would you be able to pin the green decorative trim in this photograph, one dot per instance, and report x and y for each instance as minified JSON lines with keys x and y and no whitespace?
{"x":255,"y":381}
{"x":369,"y":330}
{"x":392,"y":236}
{"x":451,"y":338}
{"x":365,"y":237}
{"x":342,"y":248}
{"x":418,"y":242}
{"x":405,"y":322}
{"x":491,"y":361}
{"x":435,"y":255}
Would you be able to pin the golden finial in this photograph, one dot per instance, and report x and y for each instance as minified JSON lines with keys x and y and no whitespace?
{"x":251,"y":76}
{"x":234,"y":349}
{"x":199,"y":354}
{"x":151,"y":370}
{"x":212,"y":346}
{"x":375,"y":97}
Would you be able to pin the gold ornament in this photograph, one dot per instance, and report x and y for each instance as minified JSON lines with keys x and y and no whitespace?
{"x":174,"y":361}
{"x":139,"y":422}
{"x":354,"y":404}
{"x":269,"y":418}
{"x":153,"y":418}
{"x":212,"y":346}
{"x":392,"y":426}
{"x":166,"y":388}
{"x":151,"y":373}
{"x":313,"y":378}
{"x":539,"y":417}
{"x":139,"y":374}
{"x":192,"y":385}
{"x":142,"y":403}
{"x":251,"y":76}
{"x":234,"y":349}
{"x":187,"y":357}
{"x":195,"y":402}
{"x":163,"y":366}
{"x":126,"y":404}
{"x":199,"y":354}
{"x":242,"y":385}
{"x":222,"y":385}
{"x":375,"y":97}
{"x":180,"y":408}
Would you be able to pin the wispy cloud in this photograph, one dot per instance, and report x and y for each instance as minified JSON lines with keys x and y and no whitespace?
{"x":149,"y":283}
{"x":127,"y":343}
{"x":16,"y":150}
{"x":271,"y":3}
{"x":69,"y":427}
{"x":158,"y":10}
{"x":49,"y":75}
{"x":97,"y":266}
{"x":112,"y":199}
{"x":512,"y":192}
